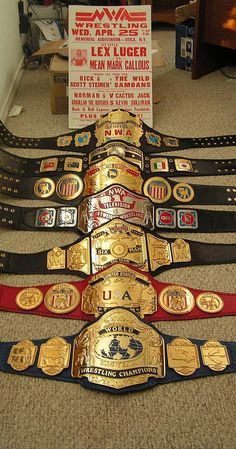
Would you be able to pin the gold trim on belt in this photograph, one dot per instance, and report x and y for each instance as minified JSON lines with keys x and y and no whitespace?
{"x":118,"y":241}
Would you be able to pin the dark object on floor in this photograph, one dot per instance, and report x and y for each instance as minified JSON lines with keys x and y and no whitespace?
{"x":184,"y":45}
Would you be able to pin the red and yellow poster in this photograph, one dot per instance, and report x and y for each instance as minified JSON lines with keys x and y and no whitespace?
{"x":110,"y":62}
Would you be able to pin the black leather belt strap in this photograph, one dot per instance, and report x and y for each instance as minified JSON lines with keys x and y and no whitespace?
{"x":175,"y":166}
{"x":70,"y":219}
{"x":166,"y":166}
{"x":120,"y":125}
{"x":54,"y":165}
{"x":70,"y":189}
{"x":120,"y":242}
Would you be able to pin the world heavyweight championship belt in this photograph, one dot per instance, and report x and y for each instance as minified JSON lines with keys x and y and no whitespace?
{"x":167,"y":166}
{"x":116,"y":125}
{"x":117,"y":286}
{"x":118,"y":353}
{"x":72,"y":187}
{"x":118,"y":241}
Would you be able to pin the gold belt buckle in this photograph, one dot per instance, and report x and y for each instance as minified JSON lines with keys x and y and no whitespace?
{"x":119,"y":125}
{"x":112,"y":170}
{"x":118,"y":351}
{"x":119,"y":286}
{"x":118,"y":241}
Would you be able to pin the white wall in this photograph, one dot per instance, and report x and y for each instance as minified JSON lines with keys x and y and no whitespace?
{"x":11,"y":54}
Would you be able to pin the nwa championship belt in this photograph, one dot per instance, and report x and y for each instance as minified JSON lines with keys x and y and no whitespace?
{"x":116,"y":125}
{"x":118,"y":353}
{"x":115,"y":202}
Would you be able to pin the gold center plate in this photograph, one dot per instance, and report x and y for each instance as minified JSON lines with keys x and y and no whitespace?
{"x":112,"y":170}
{"x":115,"y":202}
{"x":118,"y":351}
{"x":118,"y":241}
{"x":119,"y":286}
{"x":119,"y":125}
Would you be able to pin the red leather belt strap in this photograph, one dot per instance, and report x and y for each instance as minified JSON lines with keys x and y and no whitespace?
{"x":119,"y":285}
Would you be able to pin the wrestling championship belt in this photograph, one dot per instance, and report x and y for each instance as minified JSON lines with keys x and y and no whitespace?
{"x":167,"y":166}
{"x":118,"y":241}
{"x":115,"y":202}
{"x":117,"y":286}
{"x":72,"y":187}
{"x":118,"y":353}
{"x":116,"y":125}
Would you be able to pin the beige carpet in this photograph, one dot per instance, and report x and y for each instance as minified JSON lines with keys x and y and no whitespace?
{"x":44,"y":414}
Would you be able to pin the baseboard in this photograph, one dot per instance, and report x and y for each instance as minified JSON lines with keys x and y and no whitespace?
{"x":12,"y":91}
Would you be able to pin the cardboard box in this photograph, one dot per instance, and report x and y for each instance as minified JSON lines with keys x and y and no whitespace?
{"x":59,"y":85}
{"x":52,"y":47}
{"x":184,"y":45}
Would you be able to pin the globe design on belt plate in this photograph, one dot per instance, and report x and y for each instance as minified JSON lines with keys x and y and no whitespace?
{"x":122,"y":347}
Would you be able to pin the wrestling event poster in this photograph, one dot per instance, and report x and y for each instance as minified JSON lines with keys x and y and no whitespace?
{"x":110,"y":62}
